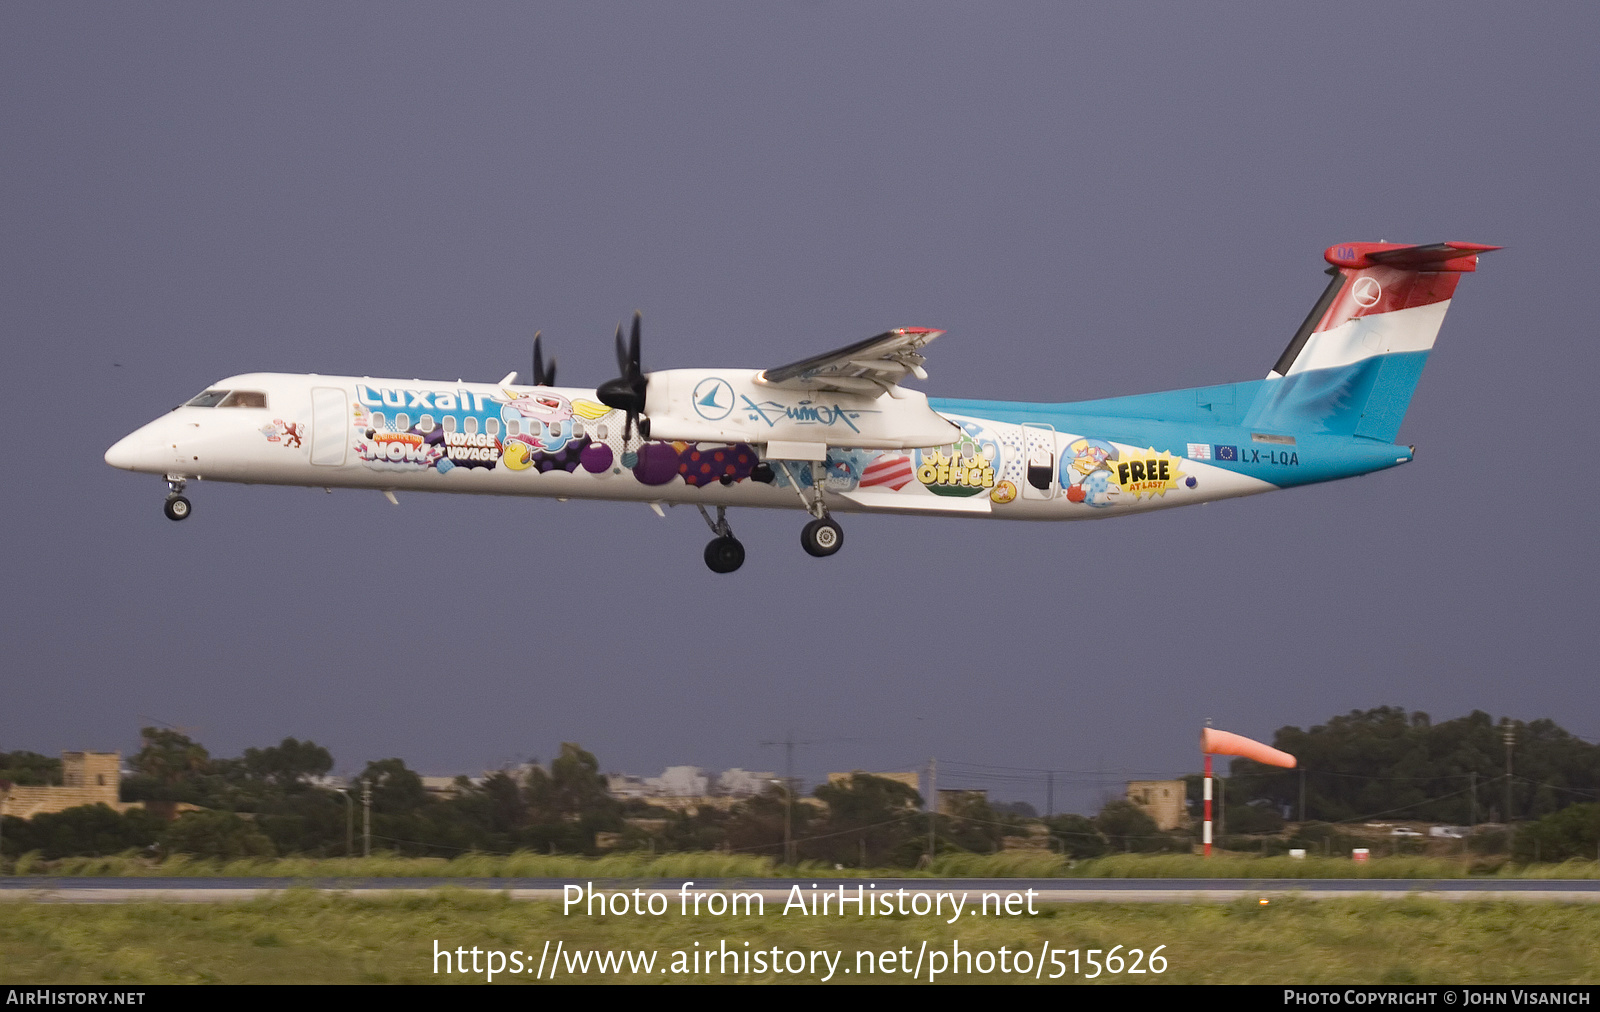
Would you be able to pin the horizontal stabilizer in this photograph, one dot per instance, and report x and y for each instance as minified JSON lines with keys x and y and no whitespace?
{"x":1455,"y":257}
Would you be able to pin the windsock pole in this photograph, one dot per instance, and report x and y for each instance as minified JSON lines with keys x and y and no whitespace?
{"x":1207,"y":830}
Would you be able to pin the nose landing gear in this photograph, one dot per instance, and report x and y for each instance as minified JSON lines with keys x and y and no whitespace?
{"x":176,"y":507}
{"x":725,"y":553}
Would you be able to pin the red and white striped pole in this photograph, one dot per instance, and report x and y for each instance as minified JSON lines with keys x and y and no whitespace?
{"x":1207,"y":836}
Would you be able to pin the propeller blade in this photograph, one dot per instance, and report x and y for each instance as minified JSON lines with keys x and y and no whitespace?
{"x":627,"y":392}
{"x":633,"y":349}
{"x":538,"y":362}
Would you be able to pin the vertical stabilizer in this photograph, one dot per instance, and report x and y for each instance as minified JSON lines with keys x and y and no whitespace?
{"x":1352,"y":366}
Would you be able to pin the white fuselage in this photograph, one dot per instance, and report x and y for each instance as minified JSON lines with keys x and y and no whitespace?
{"x":386,"y":434}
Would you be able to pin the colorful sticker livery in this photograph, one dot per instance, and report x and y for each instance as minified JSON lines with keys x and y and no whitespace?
{"x":1148,"y":473}
{"x":842,"y":433}
{"x":401,"y":451}
{"x":289,"y":434}
{"x":1086,"y":472}
{"x":704,"y":463}
{"x":889,"y":470}
{"x":964,"y":468}
{"x":1096,"y":473}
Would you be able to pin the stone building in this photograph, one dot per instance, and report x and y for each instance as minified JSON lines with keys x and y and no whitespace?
{"x":87,"y":778}
{"x":1162,"y":800}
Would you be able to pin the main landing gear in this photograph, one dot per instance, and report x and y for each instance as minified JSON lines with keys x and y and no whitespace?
{"x":821,"y":537}
{"x":725,"y":553}
{"x":176,"y":506}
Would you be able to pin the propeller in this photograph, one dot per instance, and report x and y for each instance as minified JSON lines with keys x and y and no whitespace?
{"x":541,"y":376}
{"x":627,"y":391}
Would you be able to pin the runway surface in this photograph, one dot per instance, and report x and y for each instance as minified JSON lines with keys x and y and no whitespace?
{"x":222,"y":890}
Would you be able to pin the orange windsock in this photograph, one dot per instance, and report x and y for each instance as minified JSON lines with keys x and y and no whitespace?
{"x":1217,"y":742}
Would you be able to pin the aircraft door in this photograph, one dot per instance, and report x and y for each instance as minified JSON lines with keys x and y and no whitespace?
{"x":330,"y":426}
{"x":1039,"y":479}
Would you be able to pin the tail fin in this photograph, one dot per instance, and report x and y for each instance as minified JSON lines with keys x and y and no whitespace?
{"x":1353,"y":364}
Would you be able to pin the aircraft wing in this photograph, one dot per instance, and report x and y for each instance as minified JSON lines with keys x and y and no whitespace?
{"x":869,"y":366}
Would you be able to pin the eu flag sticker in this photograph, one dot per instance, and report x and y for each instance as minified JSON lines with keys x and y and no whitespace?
{"x":1227,"y":453}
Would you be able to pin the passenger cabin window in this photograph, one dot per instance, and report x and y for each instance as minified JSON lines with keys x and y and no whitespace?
{"x":491,"y":426}
{"x":472,"y":425}
{"x":425,"y":423}
{"x":244,"y":399}
{"x":378,"y":421}
{"x":402,"y":422}
{"x":449,"y":423}
{"x":208,"y":399}
{"x":577,"y":429}
{"x":513,"y":427}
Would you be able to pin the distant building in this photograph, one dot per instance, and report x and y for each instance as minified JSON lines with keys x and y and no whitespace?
{"x":738,"y":783}
{"x":87,"y":778}
{"x":680,"y":782}
{"x":442,"y":787}
{"x":1162,"y":800}
{"x":689,"y":788}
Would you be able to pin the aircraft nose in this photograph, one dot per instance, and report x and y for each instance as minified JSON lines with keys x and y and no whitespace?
{"x":128,"y":452}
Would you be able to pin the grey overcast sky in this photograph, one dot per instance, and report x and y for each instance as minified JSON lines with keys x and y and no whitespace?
{"x":1092,"y":199}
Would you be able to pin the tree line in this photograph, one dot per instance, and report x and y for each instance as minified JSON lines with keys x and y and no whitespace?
{"x":273,"y":801}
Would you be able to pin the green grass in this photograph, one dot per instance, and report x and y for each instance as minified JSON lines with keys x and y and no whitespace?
{"x":307,"y":937}
{"x":709,"y":865}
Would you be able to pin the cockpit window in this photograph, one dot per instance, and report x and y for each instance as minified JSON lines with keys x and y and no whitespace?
{"x":244,"y":399}
{"x":209,"y":399}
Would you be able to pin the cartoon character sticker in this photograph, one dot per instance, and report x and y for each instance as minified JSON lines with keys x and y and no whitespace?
{"x":1086,"y":472}
{"x":1096,"y":474}
{"x":288,"y":433}
{"x":540,"y":418}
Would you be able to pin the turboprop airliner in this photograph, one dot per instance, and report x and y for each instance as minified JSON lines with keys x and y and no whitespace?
{"x":839,"y":432}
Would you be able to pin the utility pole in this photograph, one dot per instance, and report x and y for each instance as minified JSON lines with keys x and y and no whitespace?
{"x":349,"y":822}
{"x":1510,"y":739}
{"x":933,"y":803}
{"x":788,"y":821}
{"x":1049,"y":793}
{"x":1474,"y":799}
{"x":366,"y":818}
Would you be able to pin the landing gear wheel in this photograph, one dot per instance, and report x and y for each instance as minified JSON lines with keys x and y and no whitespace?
{"x":724,"y":554}
{"x":176,"y":508}
{"x":822,"y":537}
